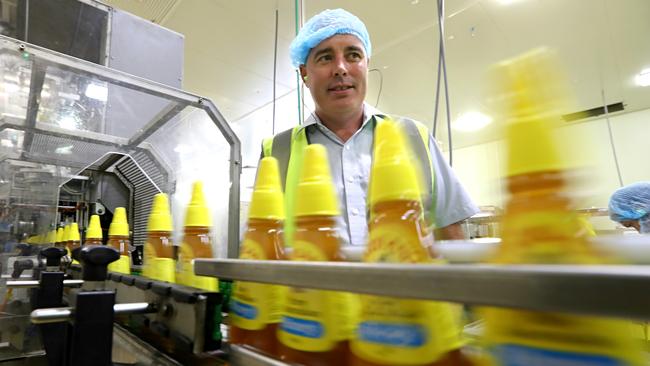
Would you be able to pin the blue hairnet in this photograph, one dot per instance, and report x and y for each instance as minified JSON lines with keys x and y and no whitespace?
{"x":632,"y":203}
{"x":324,"y":25}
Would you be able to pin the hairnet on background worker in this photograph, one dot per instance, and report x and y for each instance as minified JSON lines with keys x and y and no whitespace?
{"x":630,"y":206}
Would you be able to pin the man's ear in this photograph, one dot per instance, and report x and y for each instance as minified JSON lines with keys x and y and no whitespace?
{"x":303,"y":74}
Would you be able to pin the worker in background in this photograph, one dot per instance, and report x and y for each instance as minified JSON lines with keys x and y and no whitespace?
{"x":332,"y":52}
{"x":630,"y":206}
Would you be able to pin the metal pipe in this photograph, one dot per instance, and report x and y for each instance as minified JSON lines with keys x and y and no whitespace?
{"x":35,"y":283}
{"x":57,"y":315}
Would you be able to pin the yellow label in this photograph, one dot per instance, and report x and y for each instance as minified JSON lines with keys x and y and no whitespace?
{"x":188,"y":278}
{"x":314,"y":320}
{"x":391,"y":331}
{"x":551,"y":338}
{"x":255,"y":305}
{"x":148,"y":256}
{"x":122,"y":265}
{"x":165,"y":269}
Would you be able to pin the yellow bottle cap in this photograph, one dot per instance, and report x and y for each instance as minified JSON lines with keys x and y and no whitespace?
{"x":74,"y":232}
{"x":59,"y":235}
{"x":392,"y":176}
{"x":94,"y":228}
{"x":51,"y":237}
{"x":532,"y":96}
{"x":119,"y":226}
{"x":197,"y":213}
{"x":267,"y":201}
{"x":315,"y":194}
{"x":160,"y":219}
{"x":66,"y":233}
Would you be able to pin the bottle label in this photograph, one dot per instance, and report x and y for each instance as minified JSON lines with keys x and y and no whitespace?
{"x":515,"y":355}
{"x":534,"y":338}
{"x":148,"y":256}
{"x":255,"y":305}
{"x":391,"y":331}
{"x":186,"y":273}
{"x":314,"y":320}
{"x":122,"y":265}
{"x":165,"y":269}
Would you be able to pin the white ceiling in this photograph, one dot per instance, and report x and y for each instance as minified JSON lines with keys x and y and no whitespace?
{"x":229,"y":48}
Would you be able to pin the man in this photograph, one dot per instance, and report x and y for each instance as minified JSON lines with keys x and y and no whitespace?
{"x":630,"y":206}
{"x":332,"y":52}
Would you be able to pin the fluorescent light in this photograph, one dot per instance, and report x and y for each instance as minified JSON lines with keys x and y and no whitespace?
{"x":507,"y":2}
{"x":68,"y":122}
{"x":643,"y":78}
{"x":97,"y":92}
{"x":471,"y":121}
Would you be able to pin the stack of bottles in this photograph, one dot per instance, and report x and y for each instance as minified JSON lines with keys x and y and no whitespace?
{"x":316,"y":327}
{"x":160,"y":260}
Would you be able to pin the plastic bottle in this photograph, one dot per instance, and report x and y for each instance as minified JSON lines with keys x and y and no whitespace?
{"x":256,"y":308}
{"x":51,"y":237}
{"x":118,"y":238}
{"x":196,"y":241}
{"x":159,"y":249}
{"x":59,"y":238}
{"x":94,"y":234}
{"x":540,"y":227}
{"x":315,"y":328}
{"x":392,"y":331}
{"x":74,"y":239}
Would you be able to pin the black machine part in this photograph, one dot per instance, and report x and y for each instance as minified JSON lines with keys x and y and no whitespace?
{"x":95,"y":260}
{"x":52,"y":256}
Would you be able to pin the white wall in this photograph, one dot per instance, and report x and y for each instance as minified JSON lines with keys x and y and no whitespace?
{"x":480,"y":167}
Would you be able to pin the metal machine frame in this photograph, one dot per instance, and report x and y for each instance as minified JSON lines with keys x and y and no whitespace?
{"x":41,"y":57}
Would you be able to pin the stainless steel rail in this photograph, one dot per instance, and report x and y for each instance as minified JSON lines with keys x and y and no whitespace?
{"x":619,"y":291}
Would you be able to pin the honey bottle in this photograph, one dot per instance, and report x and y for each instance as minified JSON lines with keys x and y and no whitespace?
{"x":393,"y":331}
{"x":196,"y":241}
{"x":256,"y":308}
{"x":94,"y":234}
{"x":159,"y":249}
{"x":540,"y":227}
{"x":315,"y":328}
{"x":118,"y":238}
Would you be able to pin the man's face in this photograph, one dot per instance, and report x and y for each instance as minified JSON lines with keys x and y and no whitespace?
{"x":337,"y":72}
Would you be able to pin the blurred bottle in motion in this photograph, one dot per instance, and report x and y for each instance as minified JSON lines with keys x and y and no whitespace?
{"x":539,"y":226}
{"x":316,"y":324}
{"x":118,"y":238}
{"x":74,"y":239}
{"x":158,"y":261}
{"x":196,"y":241}
{"x":59,"y":238}
{"x":392,"y":331}
{"x":256,"y":308}
{"x":94,"y":234}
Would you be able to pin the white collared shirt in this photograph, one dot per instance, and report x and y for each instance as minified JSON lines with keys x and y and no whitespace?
{"x":350,"y":164}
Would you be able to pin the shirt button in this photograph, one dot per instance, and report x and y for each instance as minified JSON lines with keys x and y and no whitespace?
{"x":355,"y":211}
{"x":347,"y":147}
{"x":350,"y":179}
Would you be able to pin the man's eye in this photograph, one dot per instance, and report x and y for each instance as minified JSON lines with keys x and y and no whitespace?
{"x":355,"y":55}
{"x":324,"y":58}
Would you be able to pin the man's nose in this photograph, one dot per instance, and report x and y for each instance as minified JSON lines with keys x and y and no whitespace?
{"x":340,"y":67}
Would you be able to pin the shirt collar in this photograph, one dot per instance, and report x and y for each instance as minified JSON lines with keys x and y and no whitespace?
{"x":368,"y":112}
